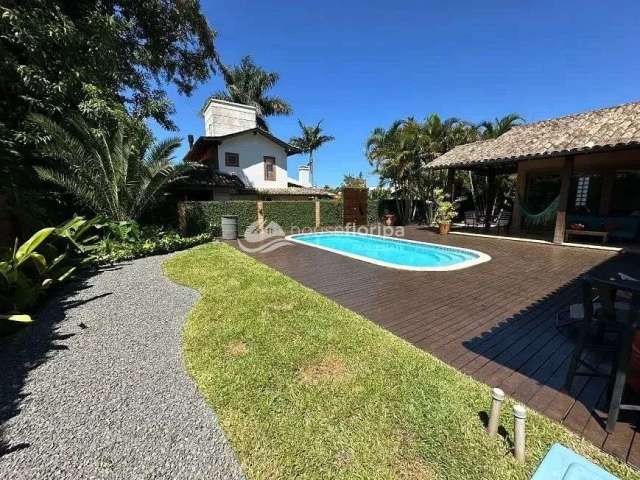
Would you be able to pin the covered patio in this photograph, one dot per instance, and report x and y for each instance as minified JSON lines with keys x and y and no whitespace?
{"x":582,"y":169}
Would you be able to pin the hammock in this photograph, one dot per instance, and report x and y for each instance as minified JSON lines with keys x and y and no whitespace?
{"x":540,"y":218}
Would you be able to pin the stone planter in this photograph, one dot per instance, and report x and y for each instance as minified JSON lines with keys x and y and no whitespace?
{"x":444,"y":228}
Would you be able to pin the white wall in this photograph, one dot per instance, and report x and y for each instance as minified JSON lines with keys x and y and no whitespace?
{"x":304,"y":175}
{"x":222,"y":118}
{"x":252,"y":148}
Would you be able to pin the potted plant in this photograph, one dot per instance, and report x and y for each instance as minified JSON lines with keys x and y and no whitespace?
{"x":445,"y":211}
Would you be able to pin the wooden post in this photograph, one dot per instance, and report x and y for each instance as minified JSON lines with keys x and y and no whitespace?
{"x":451,"y":183}
{"x":521,"y":187}
{"x":260,"y":216}
{"x":497,"y":397}
{"x":565,"y":185}
{"x":491,"y":194}
{"x":608,"y":179}
{"x":317,"y":202}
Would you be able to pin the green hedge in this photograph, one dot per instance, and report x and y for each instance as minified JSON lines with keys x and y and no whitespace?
{"x":373,"y":212}
{"x":205,"y":217}
{"x":331,"y":213}
{"x":290,"y":214}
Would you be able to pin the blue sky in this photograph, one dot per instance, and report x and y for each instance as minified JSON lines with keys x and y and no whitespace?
{"x":362,"y":64}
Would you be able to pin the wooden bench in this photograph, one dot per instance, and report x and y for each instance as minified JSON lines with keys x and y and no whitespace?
{"x":586,"y":233}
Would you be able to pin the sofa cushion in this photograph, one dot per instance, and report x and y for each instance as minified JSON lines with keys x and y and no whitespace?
{"x":619,"y":227}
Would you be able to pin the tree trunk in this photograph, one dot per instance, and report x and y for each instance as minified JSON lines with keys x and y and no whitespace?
{"x":473,"y":192}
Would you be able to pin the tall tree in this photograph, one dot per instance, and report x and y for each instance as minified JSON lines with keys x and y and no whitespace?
{"x":401,"y":153}
{"x":249,"y":84}
{"x":350,"y":180}
{"x":478,"y":185}
{"x":499,"y":126}
{"x":110,"y":174}
{"x":108,"y":60}
{"x":310,"y":140}
{"x":91,"y":55}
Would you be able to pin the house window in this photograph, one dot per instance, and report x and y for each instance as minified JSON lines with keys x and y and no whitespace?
{"x":231,"y":159}
{"x":582,"y":192}
{"x":269,"y":168}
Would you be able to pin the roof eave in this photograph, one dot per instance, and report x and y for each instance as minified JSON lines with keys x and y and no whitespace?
{"x":289,"y":149}
{"x":537,"y":156}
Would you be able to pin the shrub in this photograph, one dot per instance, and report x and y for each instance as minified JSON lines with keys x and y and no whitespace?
{"x":331,"y":213}
{"x":111,"y":251}
{"x":373,"y":211}
{"x":164,"y":213}
{"x":289,"y":214}
{"x":205,"y":217}
{"x":49,"y":256}
{"x":123,"y":231}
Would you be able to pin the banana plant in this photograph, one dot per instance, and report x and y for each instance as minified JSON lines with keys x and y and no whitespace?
{"x":43,"y":260}
{"x":18,"y":289}
{"x":16,"y":317}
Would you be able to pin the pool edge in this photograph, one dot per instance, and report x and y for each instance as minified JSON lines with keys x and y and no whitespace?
{"x":482,"y":257}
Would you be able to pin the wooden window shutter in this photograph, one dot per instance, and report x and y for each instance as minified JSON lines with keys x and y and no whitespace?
{"x":269,"y":168}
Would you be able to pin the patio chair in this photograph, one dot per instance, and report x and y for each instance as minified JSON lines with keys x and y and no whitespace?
{"x":470,"y":219}
{"x":503,"y":220}
{"x":575,"y":313}
{"x":623,"y":323}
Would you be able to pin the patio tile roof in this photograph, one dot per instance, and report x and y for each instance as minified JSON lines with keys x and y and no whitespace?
{"x":604,"y":129}
{"x":202,"y":175}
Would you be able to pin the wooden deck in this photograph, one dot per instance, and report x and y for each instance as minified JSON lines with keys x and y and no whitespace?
{"x":494,"y":321}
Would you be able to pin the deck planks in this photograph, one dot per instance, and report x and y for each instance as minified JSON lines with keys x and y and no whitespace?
{"x":494,"y":321}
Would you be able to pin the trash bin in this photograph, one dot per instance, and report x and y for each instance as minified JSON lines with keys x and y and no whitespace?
{"x":229,"y":227}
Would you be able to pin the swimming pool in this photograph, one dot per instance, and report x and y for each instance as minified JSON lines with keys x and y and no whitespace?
{"x":393,"y":252}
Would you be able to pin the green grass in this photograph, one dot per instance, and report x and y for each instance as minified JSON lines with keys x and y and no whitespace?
{"x":305,"y":388}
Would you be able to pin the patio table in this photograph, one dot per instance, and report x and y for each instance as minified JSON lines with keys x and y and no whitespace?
{"x":586,"y":233}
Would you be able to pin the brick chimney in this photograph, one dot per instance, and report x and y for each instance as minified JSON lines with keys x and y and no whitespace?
{"x":223,"y":118}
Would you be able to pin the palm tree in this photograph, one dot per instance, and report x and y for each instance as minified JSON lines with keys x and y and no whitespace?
{"x":248,"y":84}
{"x":499,"y":125}
{"x":309,"y":141}
{"x":401,"y":153}
{"x":111,"y":175}
{"x":396,"y":154}
{"x":479,"y":186}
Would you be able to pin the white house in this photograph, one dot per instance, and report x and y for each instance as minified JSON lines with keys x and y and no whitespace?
{"x":241,"y":160}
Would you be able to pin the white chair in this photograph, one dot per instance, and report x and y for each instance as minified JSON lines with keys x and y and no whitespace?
{"x":502,"y":221}
{"x":470,"y":219}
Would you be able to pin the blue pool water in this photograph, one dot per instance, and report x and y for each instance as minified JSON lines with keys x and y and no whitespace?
{"x":393,"y":252}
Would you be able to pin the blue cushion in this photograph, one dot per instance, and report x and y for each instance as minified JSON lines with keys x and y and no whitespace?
{"x":628,"y":226}
{"x":560,"y":463}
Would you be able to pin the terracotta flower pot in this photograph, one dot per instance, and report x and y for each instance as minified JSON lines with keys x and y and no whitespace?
{"x":444,"y":228}
{"x":389,"y":219}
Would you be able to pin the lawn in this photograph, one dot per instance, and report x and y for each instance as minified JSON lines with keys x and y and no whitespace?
{"x":305,"y":388}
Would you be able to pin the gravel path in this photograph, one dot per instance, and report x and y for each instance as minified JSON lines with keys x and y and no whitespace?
{"x":97,"y":388}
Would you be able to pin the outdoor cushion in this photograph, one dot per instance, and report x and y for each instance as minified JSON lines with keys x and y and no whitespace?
{"x":560,"y":463}
{"x":628,"y":227}
{"x":620,"y":227}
